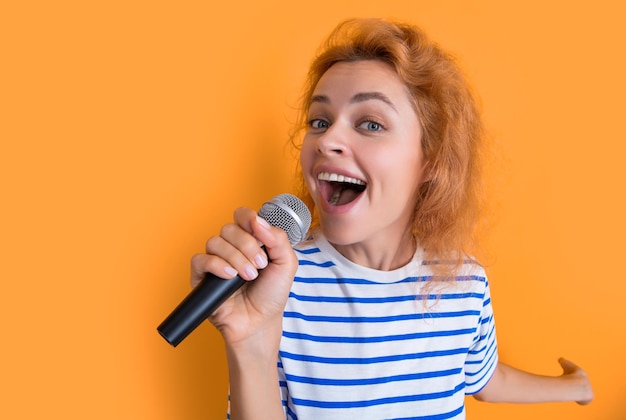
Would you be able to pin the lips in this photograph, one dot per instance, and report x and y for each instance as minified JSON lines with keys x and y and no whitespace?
{"x":339,"y":190}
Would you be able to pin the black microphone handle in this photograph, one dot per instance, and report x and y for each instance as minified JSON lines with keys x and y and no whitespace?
{"x":201,"y":302}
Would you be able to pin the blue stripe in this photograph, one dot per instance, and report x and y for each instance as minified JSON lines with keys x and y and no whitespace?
{"x":484,"y":362}
{"x":487,"y":338}
{"x":344,"y":280}
{"x":379,"y":401}
{"x":380,"y":339}
{"x":308,"y":251}
{"x":372,"y":381}
{"x":470,"y":278}
{"x":492,"y":349}
{"x":332,"y":299}
{"x":378,"y":319}
{"x":442,"y":416}
{"x":370,"y":360}
{"x":449,"y":262}
{"x":324,"y":264}
{"x":487,"y":362}
{"x":485,"y":370}
{"x":290,"y":413}
{"x":348,"y":280}
{"x":390,"y":299}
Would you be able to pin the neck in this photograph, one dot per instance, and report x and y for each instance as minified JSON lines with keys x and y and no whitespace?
{"x":383,"y":256}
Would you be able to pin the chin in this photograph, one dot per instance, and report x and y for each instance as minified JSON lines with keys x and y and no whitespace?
{"x":340,"y":233}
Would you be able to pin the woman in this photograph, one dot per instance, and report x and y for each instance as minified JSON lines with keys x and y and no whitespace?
{"x":383,"y":312}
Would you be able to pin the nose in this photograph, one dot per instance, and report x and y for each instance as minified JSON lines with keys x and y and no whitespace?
{"x":334,"y":141}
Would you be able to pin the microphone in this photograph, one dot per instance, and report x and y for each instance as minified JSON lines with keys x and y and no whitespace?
{"x":285,"y":211}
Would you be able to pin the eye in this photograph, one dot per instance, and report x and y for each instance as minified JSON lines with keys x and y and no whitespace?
{"x":371,"y":126}
{"x":318,"y":124}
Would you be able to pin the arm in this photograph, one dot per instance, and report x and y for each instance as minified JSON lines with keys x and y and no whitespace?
{"x":512,"y":385}
{"x":254,"y":389}
{"x":250,"y":321}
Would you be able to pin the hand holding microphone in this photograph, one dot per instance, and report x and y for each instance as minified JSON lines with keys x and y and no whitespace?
{"x":233,"y":248}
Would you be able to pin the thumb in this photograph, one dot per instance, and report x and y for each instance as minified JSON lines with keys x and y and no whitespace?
{"x":568,"y":366}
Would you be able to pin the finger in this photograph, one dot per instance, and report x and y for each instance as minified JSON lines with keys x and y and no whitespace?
{"x":274,"y":239}
{"x":244,"y":217}
{"x":265,"y":234}
{"x":270,"y":236}
{"x":568,"y":366}
{"x":201,"y":264}
{"x":239,"y":250}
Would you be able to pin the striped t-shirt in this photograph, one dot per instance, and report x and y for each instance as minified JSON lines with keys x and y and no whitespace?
{"x":365,"y":344}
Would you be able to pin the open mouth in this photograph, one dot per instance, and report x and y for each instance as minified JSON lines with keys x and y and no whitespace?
{"x":339,"y":190}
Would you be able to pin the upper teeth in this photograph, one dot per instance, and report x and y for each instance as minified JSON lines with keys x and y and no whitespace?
{"x":325,"y":176}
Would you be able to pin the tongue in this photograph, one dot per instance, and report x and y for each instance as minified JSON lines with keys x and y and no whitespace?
{"x":342,"y":195}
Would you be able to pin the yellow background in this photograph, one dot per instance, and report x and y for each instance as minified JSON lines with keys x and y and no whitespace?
{"x":131,"y":130}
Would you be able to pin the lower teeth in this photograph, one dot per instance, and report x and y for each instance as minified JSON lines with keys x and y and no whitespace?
{"x":335,"y":198}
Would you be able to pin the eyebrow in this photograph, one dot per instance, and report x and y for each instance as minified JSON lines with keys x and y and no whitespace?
{"x":359,"y":97}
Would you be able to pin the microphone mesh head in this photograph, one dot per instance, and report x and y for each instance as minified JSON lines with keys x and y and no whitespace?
{"x":289,"y":213}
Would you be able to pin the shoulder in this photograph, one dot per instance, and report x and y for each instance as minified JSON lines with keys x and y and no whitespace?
{"x":313,"y":254}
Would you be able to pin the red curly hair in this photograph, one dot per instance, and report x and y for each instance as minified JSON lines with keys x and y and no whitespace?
{"x":449,"y":204}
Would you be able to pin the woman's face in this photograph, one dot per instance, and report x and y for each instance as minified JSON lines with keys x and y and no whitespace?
{"x":361,"y":156}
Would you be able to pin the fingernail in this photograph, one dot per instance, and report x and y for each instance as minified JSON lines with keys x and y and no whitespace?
{"x":260,"y":260}
{"x":263,"y":222}
{"x":231,"y":272}
{"x":250,"y":271}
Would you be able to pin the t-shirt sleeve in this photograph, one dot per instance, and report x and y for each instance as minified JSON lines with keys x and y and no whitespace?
{"x":482,"y":358}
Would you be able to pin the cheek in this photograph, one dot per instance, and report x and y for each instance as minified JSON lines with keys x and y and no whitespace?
{"x":307,"y":155}
{"x":403,"y":169}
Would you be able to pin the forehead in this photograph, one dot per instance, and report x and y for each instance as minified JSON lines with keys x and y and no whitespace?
{"x":362,"y":76}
